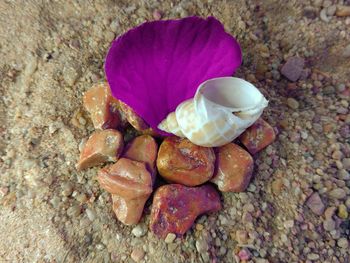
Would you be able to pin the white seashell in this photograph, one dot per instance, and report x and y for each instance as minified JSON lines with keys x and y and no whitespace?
{"x":220,"y":111}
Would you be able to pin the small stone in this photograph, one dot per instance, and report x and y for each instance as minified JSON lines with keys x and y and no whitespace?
{"x":67,"y":189}
{"x":90,"y":214}
{"x":170,"y":237}
{"x":202,"y":245}
{"x":137,"y":254}
{"x":329,"y":212}
{"x":323,"y":15}
{"x":337,"y":193}
{"x":346,"y":53}
{"x":293,"y":68}
{"x":156,"y":15}
{"x":139,"y":231}
{"x":313,"y":256}
{"x":241,"y":237}
{"x":315,"y":203}
{"x":343,"y":10}
{"x":258,"y":136}
{"x":74,"y":211}
{"x":329,"y":224}
{"x":331,"y":10}
{"x":292,"y":103}
{"x":343,"y":242}
{"x":310,"y":12}
{"x":70,"y":75}
{"x":234,"y":168}
{"x":102,"y":146}
{"x":100,"y":104}
{"x":346,"y":163}
{"x":343,"y":212}
{"x":244,"y":254}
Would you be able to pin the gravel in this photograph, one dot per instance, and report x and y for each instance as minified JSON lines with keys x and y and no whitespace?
{"x":296,"y":54}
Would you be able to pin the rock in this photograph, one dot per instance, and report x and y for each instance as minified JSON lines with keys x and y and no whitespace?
{"x":331,"y":10}
{"x":329,"y":224}
{"x":241,"y":237}
{"x":346,"y":54}
{"x":329,"y":212}
{"x":312,"y":256}
{"x":101,"y":105}
{"x":258,"y":136}
{"x":181,"y":161}
{"x":315,"y":203}
{"x":175,"y":207}
{"x":346,"y":163}
{"x":143,"y":149}
{"x":293,"y":68}
{"x":90,"y":214}
{"x":102,"y":146}
{"x":139,"y":231}
{"x":131,"y":116}
{"x":343,"y":10}
{"x":310,"y":12}
{"x":343,"y":212}
{"x":244,"y":254}
{"x":343,"y":242}
{"x":337,"y":193}
{"x":137,"y":254}
{"x":323,"y":15}
{"x":130,"y":184}
{"x":292,"y":103}
{"x":234,"y":168}
{"x":170,"y":238}
{"x":202,"y":245}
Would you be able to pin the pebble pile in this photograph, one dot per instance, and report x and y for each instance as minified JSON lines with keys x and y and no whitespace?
{"x":186,"y":166}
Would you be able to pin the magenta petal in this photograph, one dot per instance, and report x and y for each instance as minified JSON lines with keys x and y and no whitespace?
{"x":157,"y":65}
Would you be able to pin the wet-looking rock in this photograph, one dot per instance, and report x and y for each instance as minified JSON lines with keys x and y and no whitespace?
{"x":181,"y":161}
{"x":175,"y":207}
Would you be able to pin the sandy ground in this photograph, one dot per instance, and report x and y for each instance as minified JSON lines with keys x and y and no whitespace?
{"x":53,"y":51}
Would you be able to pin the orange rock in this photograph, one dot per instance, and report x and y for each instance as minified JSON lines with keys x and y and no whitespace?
{"x":234,"y":168}
{"x":126,"y":178}
{"x":143,"y":149}
{"x":175,"y":207}
{"x":181,"y":161}
{"x":128,"y":211}
{"x":136,"y":121}
{"x":258,"y":136}
{"x":102,"y":146}
{"x":343,"y":10}
{"x":101,"y":105}
{"x":130,"y":184}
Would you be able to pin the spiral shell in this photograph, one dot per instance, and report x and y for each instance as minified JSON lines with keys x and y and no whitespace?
{"x":220,"y":111}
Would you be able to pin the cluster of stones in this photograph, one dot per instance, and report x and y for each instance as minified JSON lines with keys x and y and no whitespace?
{"x":189,"y":170}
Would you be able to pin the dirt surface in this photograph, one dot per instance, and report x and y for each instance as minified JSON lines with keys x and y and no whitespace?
{"x":53,"y":51}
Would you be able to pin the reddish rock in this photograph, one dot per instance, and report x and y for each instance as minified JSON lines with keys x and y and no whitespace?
{"x":101,"y":105}
{"x":136,"y":121}
{"x":181,"y":161}
{"x":258,"y":136}
{"x":293,"y":68}
{"x":102,"y":146}
{"x":175,"y":207}
{"x":234,"y":168}
{"x":130,"y":184}
{"x":143,"y":149}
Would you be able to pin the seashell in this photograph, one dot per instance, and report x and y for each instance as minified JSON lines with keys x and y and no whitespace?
{"x":220,"y":111}
{"x":154,"y":67}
